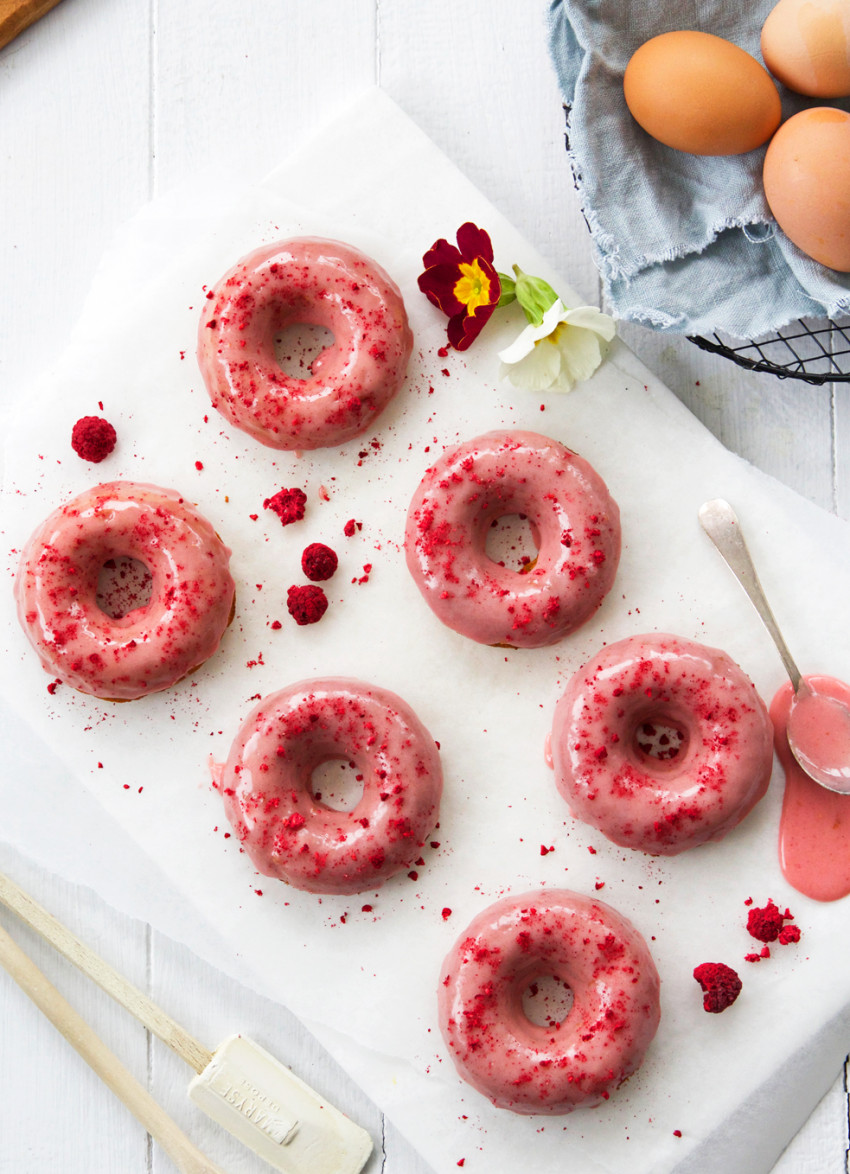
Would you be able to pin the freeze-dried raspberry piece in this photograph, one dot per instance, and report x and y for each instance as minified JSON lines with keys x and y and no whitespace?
{"x":288,"y":504}
{"x":720,"y":985}
{"x":319,"y":562}
{"x":306,"y":604}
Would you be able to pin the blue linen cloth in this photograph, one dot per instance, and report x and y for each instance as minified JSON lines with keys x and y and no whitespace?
{"x":684,"y":243}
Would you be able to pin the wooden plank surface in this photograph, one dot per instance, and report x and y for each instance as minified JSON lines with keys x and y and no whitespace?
{"x":106,"y":103}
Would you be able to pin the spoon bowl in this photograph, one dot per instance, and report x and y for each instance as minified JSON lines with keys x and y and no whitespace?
{"x":818,"y":728}
{"x":819,"y":737}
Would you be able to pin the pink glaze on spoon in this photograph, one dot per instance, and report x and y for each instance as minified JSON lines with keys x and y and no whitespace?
{"x":814,"y":829}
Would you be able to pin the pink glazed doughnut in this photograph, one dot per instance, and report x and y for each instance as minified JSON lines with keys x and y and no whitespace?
{"x":552,"y":1068}
{"x":313,"y":282}
{"x":661,"y":805}
{"x":575,"y":522}
{"x":152,"y":646}
{"x":291,"y":835}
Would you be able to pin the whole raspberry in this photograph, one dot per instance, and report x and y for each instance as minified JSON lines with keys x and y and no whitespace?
{"x":93,"y":438}
{"x":720,"y":984}
{"x":307,"y":604}
{"x":318,"y":562}
{"x":288,"y":504}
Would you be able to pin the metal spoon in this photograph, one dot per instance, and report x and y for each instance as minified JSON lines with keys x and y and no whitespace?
{"x":808,"y":707}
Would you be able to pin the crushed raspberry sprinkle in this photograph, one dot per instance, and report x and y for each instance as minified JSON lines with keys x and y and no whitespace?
{"x":306,"y":604}
{"x":765,"y":924}
{"x":789,"y":934}
{"x":93,"y":438}
{"x":318,"y":562}
{"x":720,"y":985}
{"x":288,"y":504}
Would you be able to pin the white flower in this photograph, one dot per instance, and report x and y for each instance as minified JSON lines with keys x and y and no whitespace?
{"x":564,"y":349}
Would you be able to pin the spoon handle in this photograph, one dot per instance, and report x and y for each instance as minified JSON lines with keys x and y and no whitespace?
{"x":718,"y":520}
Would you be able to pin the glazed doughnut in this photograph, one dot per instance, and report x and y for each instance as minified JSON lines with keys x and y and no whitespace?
{"x":551,"y":1068}
{"x":312,"y":282}
{"x":152,"y":646}
{"x":291,"y":834}
{"x":661,"y":805}
{"x":575,"y":523}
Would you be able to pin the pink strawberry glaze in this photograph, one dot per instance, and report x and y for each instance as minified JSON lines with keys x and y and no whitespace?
{"x":315,"y":282}
{"x":266,"y":785}
{"x":814,"y":828}
{"x":150,"y":647}
{"x":663,"y":807}
{"x":592,"y":949}
{"x":576,"y":525}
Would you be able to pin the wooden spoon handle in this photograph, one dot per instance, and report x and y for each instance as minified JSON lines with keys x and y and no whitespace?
{"x":186,"y":1157}
{"x":115,"y":985}
{"x":17,"y":15}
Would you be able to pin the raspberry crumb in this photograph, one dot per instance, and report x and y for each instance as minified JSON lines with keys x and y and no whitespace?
{"x":350,"y":526}
{"x":93,"y":438}
{"x":765,"y":924}
{"x":789,"y":934}
{"x":307,"y":604}
{"x":288,"y":504}
{"x":318,"y":562}
{"x":446,"y":913}
{"x":720,"y":985}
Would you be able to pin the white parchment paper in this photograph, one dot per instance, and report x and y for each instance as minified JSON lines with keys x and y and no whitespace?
{"x":365,"y":980}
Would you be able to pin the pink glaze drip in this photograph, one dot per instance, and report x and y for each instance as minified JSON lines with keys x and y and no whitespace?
{"x":814,"y":829}
{"x":152,"y":646}
{"x":550,"y":1068}
{"x":547,"y":752}
{"x":314,"y":282}
{"x":571,"y":513}
{"x":662,"y":806}
{"x":287,"y":831}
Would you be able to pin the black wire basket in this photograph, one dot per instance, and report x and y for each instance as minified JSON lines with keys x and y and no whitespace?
{"x":814,"y":350}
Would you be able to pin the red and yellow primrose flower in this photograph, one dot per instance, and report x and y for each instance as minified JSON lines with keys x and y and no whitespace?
{"x":558,"y":347}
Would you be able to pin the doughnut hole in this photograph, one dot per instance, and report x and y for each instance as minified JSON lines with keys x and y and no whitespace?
{"x":337,"y":783}
{"x":124,"y":584}
{"x":547,"y":1001}
{"x":660,"y":738}
{"x":512,"y":541}
{"x":298,"y":347}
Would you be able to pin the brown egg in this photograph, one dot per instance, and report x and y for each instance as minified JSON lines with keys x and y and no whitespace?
{"x":807,"y":183}
{"x":806,"y":44}
{"x":702,"y":94}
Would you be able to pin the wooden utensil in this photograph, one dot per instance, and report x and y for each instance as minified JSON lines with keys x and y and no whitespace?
{"x":17,"y":15}
{"x":105,"y":1063}
{"x":239,"y":1085}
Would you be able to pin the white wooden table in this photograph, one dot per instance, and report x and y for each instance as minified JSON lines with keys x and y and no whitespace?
{"x":104,"y":104}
